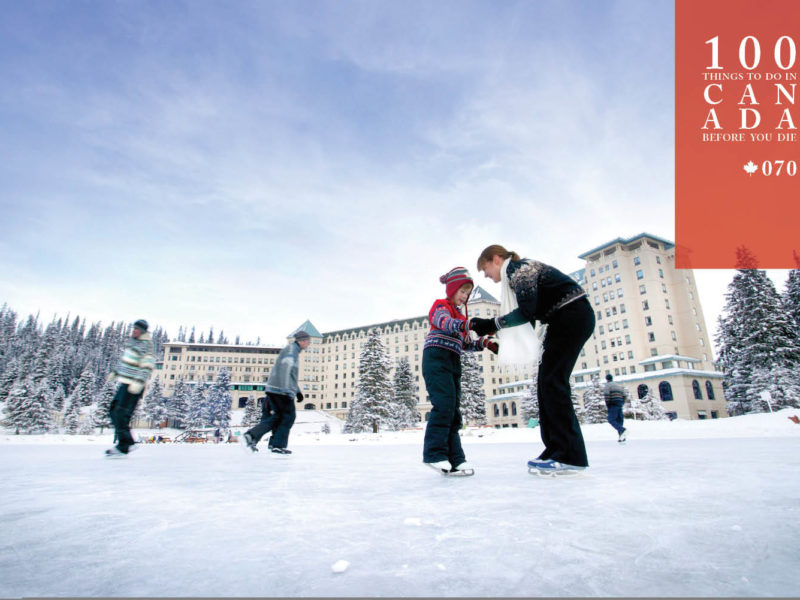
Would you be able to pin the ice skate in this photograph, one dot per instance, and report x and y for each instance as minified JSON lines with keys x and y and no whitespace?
{"x":280,"y":451}
{"x":623,"y":436}
{"x":114,"y":452}
{"x":553,"y":468}
{"x":442,"y":466}
{"x":463,"y":469}
{"x":247,"y":442}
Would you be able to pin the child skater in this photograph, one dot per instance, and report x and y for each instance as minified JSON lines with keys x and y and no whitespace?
{"x":544,"y":293}
{"x":449,"y":335}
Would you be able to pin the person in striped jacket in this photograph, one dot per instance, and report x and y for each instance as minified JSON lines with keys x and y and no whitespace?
{"x":131,"y":373}
{"x":448,"y":337}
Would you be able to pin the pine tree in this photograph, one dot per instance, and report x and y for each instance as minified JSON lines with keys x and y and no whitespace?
{"x":594,"y":403}
{"x":529,"y":406}
{"x":473,"y":398}
{"x":371,"y":407}
{"x":405,"y":398}
{"x":579,"y":410}
{"x":17,"y":404}
{"x":781,"y":386}
{"x":178,"y":405}
{"x":252,"y":415}
{"x":58,"y":399}
{"x":72,"y":416}
{"x":102,"y":405}
{"x":755,"y":331}
{"x":791,"y":299}
{"x":649,"y":408}
{"x":220,"y":400}
{"x":84,"y":390}
{"x":155,"y":405}
{"x":198,"y":406}
{"x":36,"y":414}
{"x":8,"y":378}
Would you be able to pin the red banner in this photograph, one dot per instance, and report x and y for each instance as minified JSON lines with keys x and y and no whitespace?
{"x":737,"y":142}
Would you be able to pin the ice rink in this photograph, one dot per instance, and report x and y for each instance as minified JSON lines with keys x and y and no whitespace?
{"x":682,"y":509}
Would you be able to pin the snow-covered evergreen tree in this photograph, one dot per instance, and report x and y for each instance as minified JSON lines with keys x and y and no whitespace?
{"x":780,"y":383}
{"x":594,"y":404}
{"x":16,"y":397}
{"x":220,"y":400}
{"x":37,"y":411}
{"x":8,"y":378}
{"x":405,"y":396}
{"x":84,"y":390}
{"x":102,"y":405}
{"x":371,"y":407}
{"x":155,"y":405}
{"x":178,"y":405}
{"x":648,"y":408}
{"x":72,"y":416}
{"x":529,"y":405}
{"x":791,"y":299}
{"x":252,"y":415}
{"x":198,"y":406}
{"x":473,"y":398}
{"x":578,"y":406}
{"x":755,"y":331}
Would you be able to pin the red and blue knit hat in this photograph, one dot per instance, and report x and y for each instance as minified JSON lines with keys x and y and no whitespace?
{"x":454,"y":279}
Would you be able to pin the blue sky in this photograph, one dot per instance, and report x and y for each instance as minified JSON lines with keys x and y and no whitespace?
{"x":250,"y":165}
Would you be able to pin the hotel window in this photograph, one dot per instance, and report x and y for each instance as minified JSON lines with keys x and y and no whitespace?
{"x":642,"y":289}
{"x":614,"y":263}
{"x":648,"y":321}
{"x":639,"y":274}
{"x":637,"y":261}
{"x":651,"y":337}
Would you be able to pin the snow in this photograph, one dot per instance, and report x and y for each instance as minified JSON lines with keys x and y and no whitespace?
{"x":685,"y":508}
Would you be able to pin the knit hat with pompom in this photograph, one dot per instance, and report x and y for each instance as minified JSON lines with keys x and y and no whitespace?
{"x":454,"y":279}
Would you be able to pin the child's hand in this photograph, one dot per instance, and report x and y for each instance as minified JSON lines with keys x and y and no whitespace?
{"x":482,"y":326}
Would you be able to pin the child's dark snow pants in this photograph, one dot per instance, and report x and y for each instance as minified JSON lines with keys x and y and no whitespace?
{"x":441,"y":370}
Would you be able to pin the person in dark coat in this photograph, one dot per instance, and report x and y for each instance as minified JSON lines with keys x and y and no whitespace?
{"x":448,"y":336}
{"x":614,"y":395}
{"x":545,"y":294}
{"x":131,"y":373}
{"x":277,"y":411}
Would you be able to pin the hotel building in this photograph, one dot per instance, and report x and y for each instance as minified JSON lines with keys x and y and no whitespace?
{"x":650,"y":334}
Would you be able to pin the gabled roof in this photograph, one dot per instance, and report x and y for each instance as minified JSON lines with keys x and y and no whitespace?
{"x":309,"y":328}
{"x":481,"y":295}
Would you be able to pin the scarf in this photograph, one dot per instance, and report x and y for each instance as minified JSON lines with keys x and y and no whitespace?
{"x":519,"y":345}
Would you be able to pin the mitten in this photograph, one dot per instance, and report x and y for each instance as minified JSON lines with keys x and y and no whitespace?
{"x":493,"y":346}
{"x":299,"y":396}
{"x":136,"y":387}
{"x":483,"y":326}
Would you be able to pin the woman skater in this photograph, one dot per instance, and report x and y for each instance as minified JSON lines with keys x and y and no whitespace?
{"x":546,"y":294}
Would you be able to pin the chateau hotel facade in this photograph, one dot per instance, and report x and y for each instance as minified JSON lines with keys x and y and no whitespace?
{"x":650,"y":334}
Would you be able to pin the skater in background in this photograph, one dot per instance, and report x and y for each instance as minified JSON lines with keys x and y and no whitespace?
{"x":131,"y":372}
{"x":544,"y":293}
{"x":614,"y":395}
{"x":277,"y":411}
{"x":449,"y":335}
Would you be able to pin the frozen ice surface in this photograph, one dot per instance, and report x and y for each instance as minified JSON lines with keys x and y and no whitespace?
{"x":683,"y":509}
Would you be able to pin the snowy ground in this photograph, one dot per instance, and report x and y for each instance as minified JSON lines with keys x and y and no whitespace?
{"x":701,"y":508}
